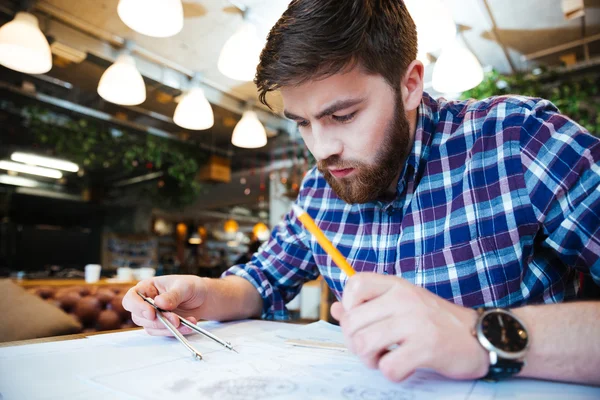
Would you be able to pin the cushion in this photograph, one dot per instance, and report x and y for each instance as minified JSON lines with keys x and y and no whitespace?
{"x":26,"y":316}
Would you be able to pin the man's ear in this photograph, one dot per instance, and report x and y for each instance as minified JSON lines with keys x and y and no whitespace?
{"x":411,"y":85}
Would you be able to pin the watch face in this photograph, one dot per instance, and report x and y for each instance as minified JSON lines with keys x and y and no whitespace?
{"x":504,"y":332}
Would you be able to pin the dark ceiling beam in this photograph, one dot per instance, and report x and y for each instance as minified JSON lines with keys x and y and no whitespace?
{"x":561,"y":47}
{"x":494,"y":32}
{"x":100,"y":115}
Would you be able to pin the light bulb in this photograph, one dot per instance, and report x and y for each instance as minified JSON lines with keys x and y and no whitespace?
{"x":30,"y":169}
{"x":194,"y":111}
{"x":435,"y":26}
{"x":261,"y":231}
{"x":23,"y":46}
{"x":157,"y":18}
{"x":456,"y":70}
{"x":122,"y":83}
{"x":18,"y":181}
{"x":249,"y":133}
{"x":195,"y":239}
{"x":231,"y":226}
{"x":48,"y":162}
{"x":241,"y":53}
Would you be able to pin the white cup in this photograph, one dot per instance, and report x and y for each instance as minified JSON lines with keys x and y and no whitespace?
{"x":146,"y":272}
{"x":124,"y":274}
{"x":92,"y":273}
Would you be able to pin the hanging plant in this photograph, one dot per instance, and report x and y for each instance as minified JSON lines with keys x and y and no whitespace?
{"x":96,"y":145}
{"x":576,"y":95}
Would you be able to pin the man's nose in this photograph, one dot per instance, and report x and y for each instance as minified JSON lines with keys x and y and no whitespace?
{"x":324,"y":145}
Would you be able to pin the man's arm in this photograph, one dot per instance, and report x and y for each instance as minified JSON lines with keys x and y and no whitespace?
{"x":562,"y":173}
{"x":282,"y":264}
{"x":422,"y":330}
{"x":561,"y":166}
{"x":230,"y":298}
{"x":564,"y":341}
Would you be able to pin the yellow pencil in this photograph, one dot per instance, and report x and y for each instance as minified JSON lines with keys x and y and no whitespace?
{"x":334,"y":253}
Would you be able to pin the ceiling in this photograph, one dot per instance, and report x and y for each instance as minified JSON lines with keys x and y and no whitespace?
{"x":521,"y":28}
{"x":503,"y":34}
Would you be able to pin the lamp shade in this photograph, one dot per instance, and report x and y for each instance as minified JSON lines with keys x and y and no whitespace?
{"x":122,"y":83}
{"x":261,"y":231}
{"x":195,"y":239}
{"x":249,"y":133}
{"x":157,"y":18}
{"x":194,"y":111}
{"x":435,"y":26}
{"x":231,"y":226}
{"x":23,"y":46}
{"x":241,"y":53}
{"x":181,"y":230}
{"x":456,"y":70}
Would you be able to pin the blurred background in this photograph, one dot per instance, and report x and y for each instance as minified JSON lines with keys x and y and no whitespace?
{"x":131,"y":136}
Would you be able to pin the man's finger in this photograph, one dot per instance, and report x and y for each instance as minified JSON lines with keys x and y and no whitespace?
{"x":400,"y":363}
{"x":368,"y":313}
{"x":146,"y":323}
{"x":172,"y":296}
{"x":365,"y":286}
{"x":337,"y":310}
{"x":135,"y":304}
{"x":165,"y":332}
{"x":376,"y":339}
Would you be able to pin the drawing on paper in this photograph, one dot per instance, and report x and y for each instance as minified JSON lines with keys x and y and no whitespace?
{"x":181,"y":385}
{"x":355,"y":392}
{"x":250,"y":388}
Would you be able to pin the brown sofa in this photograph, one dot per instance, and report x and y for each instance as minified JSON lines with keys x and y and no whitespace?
{"x":41,"y":311}
{"x":96,"y":308}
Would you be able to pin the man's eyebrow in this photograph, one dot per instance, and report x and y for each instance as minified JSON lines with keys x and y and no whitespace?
{"x":330,"y":109}
{"x":291,"y":116}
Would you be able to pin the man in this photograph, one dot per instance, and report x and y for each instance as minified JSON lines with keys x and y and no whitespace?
{"x":442,"y":207}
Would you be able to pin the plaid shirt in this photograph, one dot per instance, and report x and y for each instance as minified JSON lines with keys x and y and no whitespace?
{"x":497,"y":205}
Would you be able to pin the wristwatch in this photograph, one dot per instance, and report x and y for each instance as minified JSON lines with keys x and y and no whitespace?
{"x":506,"y":339}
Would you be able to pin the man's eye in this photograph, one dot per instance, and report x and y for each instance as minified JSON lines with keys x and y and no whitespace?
{"x":303,"y":124}
{"x":344,"y":118}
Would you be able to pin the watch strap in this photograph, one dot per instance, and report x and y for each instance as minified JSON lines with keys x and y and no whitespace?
{"x":503,"y":369}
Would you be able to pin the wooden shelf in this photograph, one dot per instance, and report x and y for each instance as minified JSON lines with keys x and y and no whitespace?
{"x":27,"y":283}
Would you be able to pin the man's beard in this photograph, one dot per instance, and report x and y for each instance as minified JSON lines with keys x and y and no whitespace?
{"x":370,"y":182}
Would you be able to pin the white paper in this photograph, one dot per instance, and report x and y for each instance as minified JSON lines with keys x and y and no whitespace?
{"x":267,"y":368}
{"x":135,"y":365}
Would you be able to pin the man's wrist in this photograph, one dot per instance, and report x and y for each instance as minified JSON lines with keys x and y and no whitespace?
{"x":482,"y":358}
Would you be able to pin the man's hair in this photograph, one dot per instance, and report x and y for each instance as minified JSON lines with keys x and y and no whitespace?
{"x":315,"y":39}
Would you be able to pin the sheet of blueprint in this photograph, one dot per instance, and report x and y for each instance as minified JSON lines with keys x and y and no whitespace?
{"x":134,"y":365}
{"x":268,"y":368}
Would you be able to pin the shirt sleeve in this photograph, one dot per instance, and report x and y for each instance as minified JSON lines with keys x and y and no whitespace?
{"x":562,"y":173}
{"x":281,"y":265}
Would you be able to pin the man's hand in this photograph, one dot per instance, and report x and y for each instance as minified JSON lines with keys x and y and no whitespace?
{"x":398,"y":327}
{"x":183,"y":294}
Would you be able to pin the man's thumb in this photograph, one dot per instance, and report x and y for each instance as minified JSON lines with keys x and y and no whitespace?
{"x":168,"y":300}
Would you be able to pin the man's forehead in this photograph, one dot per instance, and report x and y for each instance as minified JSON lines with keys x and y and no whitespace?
{"x":313,"y":96}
